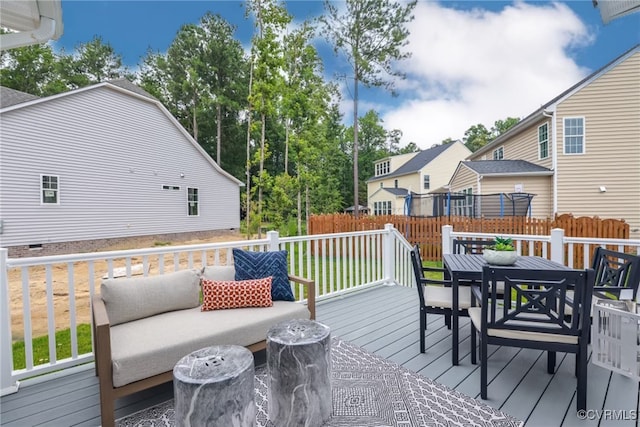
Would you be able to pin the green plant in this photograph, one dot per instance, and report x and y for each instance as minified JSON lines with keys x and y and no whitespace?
{"x":503,"y":244}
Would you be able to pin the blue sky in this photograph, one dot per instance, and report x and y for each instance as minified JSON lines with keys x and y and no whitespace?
{"x":472,"y":61}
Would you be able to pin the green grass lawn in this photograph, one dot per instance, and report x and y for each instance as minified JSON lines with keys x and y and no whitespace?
{"x":63,"y":347}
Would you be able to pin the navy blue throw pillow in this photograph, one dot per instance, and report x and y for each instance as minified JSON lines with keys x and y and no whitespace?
{"x":258,"y":265}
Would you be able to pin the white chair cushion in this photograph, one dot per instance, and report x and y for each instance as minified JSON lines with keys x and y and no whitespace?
{"x":475,"y":313}
{"x":222,"y":273}
{"x":440,"y":296}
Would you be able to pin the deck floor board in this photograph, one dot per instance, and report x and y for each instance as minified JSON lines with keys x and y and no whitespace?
{"x":384,"y":321}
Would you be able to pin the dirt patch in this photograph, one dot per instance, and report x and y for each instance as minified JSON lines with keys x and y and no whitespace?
{"x":68,"y":285}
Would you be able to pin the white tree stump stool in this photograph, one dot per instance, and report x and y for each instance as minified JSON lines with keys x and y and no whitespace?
{"x":299,"y":373}
{"x":214,"y":387}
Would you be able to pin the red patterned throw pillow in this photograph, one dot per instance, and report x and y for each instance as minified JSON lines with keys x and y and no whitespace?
{"x":218,"y":294}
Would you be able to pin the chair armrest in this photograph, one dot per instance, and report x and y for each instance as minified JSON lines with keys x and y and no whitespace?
{"x":102,"y":339}
{"x":311,"y":293}
{"x":476,"y":295}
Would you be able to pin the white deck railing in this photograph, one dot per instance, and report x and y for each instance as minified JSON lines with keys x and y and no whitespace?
{"x":339,"y":263}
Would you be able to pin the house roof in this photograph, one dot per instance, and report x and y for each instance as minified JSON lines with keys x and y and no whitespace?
{"x":10,"y":97}
{"x":397,"y":191}
{"x":126,"y":84}
{"x":524,"y":123}
{"x":417,"y":162}
{"x":506,"y":167}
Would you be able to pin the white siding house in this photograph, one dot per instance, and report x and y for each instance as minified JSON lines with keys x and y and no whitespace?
{"x":105,"y":162}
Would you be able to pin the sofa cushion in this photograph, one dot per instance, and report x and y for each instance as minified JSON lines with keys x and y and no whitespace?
{"x":153,"y":345}
{"x":257,"y":265}
{"x":219,"y":272}
{"x":128,"y":299}
{"x":217,"y":294}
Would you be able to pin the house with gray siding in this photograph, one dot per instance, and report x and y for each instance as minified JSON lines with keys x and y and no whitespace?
{"x":101,"y":163}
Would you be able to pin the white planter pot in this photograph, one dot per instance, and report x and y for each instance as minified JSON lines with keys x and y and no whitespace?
{"x":499,"y":257}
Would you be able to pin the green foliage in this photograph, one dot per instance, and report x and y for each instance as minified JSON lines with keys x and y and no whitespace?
{"x":477,"y":136}
{"x":503,"y":244}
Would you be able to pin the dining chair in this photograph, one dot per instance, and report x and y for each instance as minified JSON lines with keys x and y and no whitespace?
{"x":617,"y":274}
{"x":436,"y":295}
{"x":531,"y":314}
{"x":471,"y":247}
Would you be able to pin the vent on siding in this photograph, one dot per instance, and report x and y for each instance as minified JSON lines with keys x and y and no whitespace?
{"x":170,"y":187}
{"x":35,"y":247}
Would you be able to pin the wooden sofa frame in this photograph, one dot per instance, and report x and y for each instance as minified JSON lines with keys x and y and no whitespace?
{"x":103,"y":362}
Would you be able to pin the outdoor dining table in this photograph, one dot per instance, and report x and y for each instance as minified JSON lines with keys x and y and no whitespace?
{"x":469,"y":268}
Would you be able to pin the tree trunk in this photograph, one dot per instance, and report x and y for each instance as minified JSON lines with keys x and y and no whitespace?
{"x":195,"y":119}
{"x":299,"y":205}
{"x":286,"y":148}
{"x":219,"y":132}
{"x":356,"y":187}
{"x":260,"y":183}
{"x":248,"y":171}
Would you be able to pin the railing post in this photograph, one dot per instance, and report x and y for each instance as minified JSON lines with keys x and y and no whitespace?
{"x":7,"y":385}
{"x":388,"y":255}
{"x":446,"y":239}
{"x":557,"y":245}
{"x":274,"y":240}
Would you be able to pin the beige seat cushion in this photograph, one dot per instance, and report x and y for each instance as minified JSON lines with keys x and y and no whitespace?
{"x":153,"y":345}
{"x":475,"y":313}
{"x":440,"y":296}
{"x":128,"y":299}
{"x":219,"y":272}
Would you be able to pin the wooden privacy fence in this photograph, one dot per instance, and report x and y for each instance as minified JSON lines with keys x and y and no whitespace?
{"x":427,"y":232}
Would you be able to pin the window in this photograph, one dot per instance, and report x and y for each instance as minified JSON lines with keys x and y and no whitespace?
{"x":574,"y":135}
{"x":192,"y":201}
{"x":170,"y":187}
{"x":382,"y":208}
{"x":395,"y":183}
{"x":426,"y":182}
{"x":49,"y":189}
{"x":498,"y":153}
{"x":382,"y":168}
{"x":543,"y":141}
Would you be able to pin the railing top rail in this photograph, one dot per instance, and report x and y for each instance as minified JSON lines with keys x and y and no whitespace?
{"x":403,"y":241}
{"x":332,"y":235}
{"x":603,"y":241}
{"x":94,"y":256}
{"x":533,"y":237}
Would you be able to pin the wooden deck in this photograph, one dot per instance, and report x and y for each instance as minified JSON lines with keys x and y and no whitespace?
{"x":384,"y":321}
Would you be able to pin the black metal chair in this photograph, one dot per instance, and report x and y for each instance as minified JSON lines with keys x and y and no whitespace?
{"x":531,"y":314}
{"x":471,"y":247}
{"x":436,"y":295}
{"x":617,"y":274}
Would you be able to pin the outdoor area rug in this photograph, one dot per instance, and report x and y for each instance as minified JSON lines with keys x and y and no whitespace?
{"x":368,"y":391}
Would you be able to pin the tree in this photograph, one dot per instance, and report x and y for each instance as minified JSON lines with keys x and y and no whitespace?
{"x":93,"y":62}
{"x":476,"y":137}
{"x":371,"y":35}
{"x":501,"y":126}
{"x":267,"y":62}
{"x":30,"y":69}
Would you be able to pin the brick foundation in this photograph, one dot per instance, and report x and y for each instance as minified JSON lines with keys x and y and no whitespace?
{"x":135,"y":242}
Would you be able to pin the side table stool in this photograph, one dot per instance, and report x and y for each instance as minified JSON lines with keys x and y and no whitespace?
{"x":299,"y":373}
{"x":214,"y":387}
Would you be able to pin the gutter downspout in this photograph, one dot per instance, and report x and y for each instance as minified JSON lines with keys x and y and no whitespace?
{"x":554,"y":156}
{"x":43,"y":33}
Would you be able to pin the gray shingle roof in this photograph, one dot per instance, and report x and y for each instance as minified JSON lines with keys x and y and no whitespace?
{"x":9,"y":97}
{"x":417,"y":162}
{"x":496,"y":167}
{"x":397,"y":191}
{"x":126,"y":84}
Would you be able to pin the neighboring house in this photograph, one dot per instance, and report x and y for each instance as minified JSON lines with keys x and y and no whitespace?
{"x":103,"y":162}
{"x":579,"y":153}
{"x":416,"y":173}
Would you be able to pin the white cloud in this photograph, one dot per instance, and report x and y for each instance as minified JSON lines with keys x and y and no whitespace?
{"x":478,"y":66}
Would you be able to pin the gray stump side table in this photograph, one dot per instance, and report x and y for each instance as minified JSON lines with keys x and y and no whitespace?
{"x":214,"y":387}
{"x":299,"y":373}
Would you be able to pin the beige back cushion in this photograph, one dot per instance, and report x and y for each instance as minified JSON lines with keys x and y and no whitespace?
{"x":219,"y":272}
{"x":128,"y":299}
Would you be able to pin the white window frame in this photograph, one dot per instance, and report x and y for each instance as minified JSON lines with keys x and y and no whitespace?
{"x":498,"y":153}
{"x":55,"y":190}
{"x":382,"y":168}
{"x":583,"y":135}
{"x":195,"y":201}
{"x":546,"y":141}
{"x":426,"y":182}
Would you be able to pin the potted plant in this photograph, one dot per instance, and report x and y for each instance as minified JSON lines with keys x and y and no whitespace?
{"x":500,"y":253}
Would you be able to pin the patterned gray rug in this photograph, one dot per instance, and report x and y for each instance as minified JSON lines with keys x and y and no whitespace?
{"x":368,"y":391}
